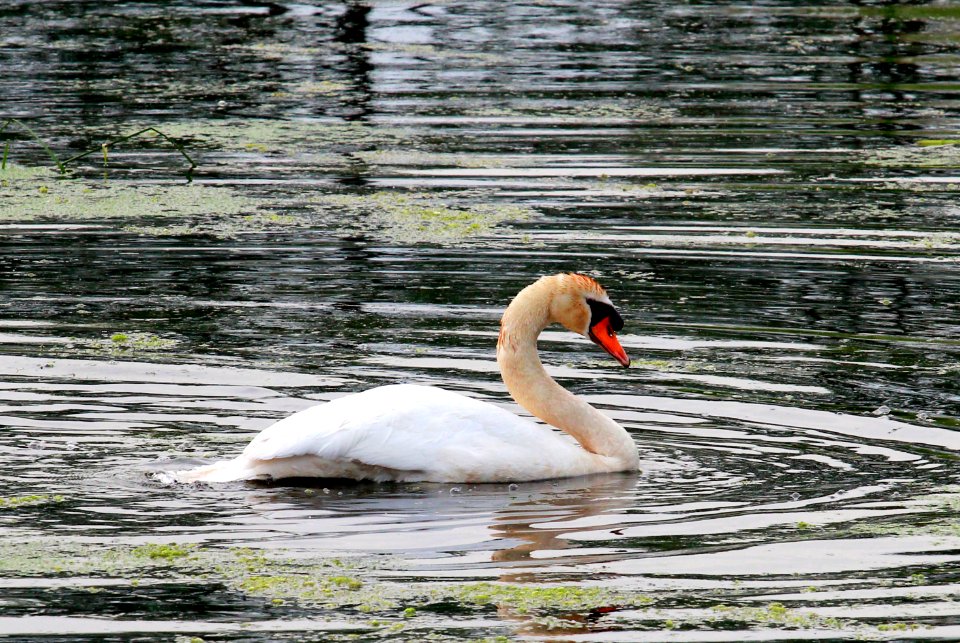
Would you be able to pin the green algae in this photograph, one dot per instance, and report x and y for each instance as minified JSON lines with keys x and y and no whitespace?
{"x":776,"y":614}
{"x":434,"y":52}
{"x":355,"y":590}
{"x":152,"y":209}
{"x":573,"y":112}
{"x":222,"y":228}
{"x":283,"y":136}
{"x":927,"y":153}
{"x":13,"y":172}
{"x":307,"y":582}
{"x":419,"y":217}
{"x":78,"y":200}
{"x":532,"y":598}
{"x":935,"y":517}
{"x":898,"y":626}
{"x":319,"y":87}
{"x":48,"y":557}
{"x":167,"y":552}
{"x":32,"y":500}
{"x":130,"y":342}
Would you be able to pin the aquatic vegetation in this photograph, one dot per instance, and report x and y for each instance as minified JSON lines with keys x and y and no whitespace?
{"x":103,"y":148}
{"x":309,"y":583}
{"x":418,"y":217}
{"x":571,"y":111}
{"x":530,"y":598}
{"x":78,"y":200}
{"x":190,"y":209}
{"x":898,"y":626}
{"x":926,"y":153}
{"x":167,"y":552}
{"x":283,"y":136}
{"x":33,"y":500}
{"x":421,"y":50}
{"x":15,"y":173}
{"x":319,"y":87}
{"x":223,"y":228}
{"x":131,"y":342}
{"x":776,"y":614}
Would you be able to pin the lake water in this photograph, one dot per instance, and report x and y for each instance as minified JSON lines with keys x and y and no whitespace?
{"x":768,"y":191}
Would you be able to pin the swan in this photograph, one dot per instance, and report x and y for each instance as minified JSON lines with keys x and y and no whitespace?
{"x":407,"y":433}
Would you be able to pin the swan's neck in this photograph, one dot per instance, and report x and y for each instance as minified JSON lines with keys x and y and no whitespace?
{"x":538,"y":393}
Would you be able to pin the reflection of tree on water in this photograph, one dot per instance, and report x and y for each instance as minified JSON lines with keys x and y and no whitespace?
{"x":884,"y":53}
{"x":351,"y":30}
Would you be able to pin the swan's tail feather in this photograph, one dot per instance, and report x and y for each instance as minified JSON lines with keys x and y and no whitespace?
{"x":222,"y":471}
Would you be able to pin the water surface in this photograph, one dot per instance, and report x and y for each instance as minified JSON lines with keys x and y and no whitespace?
{"x":768,"y":192}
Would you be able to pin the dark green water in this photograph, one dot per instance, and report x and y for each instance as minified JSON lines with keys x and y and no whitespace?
{"x":768,"y":191}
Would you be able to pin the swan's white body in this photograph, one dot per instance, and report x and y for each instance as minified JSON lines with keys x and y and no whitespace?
{"x":408,"y":433}
{"x":421,"y":433}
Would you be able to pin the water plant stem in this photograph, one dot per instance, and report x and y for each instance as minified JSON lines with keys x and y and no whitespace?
{"x":103,"y":147}
{"x":53,"y":156}
{"x":62,"y":165}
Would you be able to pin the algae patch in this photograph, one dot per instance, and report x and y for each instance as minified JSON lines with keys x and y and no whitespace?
{"x":132,"y":342}
{"x":419,"y":217}
{"x":34,"y":500}
{"x":78,"y":199}
{"x":13,"y":172}
{"x":167,"y":552}
{"x":524,"y":598}
{"x":284,"y":136}
{"x":926,"y":153}
{"x":775,"y":614}
{"x":37,"y":194}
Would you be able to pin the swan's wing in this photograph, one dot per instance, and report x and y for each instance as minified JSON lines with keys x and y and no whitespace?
{"x":415,"y":429}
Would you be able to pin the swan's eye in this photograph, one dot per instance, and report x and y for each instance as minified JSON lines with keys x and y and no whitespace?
{"x":600,"y":310}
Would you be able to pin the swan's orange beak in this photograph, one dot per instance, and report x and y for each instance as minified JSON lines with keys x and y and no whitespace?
{"x":603,"y":336}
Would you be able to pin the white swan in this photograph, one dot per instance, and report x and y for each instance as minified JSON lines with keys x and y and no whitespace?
{"x":420,"y":433}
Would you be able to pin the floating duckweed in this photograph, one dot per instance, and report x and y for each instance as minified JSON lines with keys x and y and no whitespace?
{"x":437,"y":53}
{"x":284,"y":135}
{"x":222,"y":228}
{"x":319,"y":87}
{"x":419,"y":217}
{"x":775,"y":614}
{"x":16,"y":502}
{"x":525,"y":599}
{"x":167,"y":552}
{"x":346,"y":582}
{"x":132,"y":342}
{"x":571,"y":111}
{"x":943,"y":154}
{"x":14,"y":172}
{"x":77,"y":199}
{"x":897,"y":627}
{"x":936,"y":142}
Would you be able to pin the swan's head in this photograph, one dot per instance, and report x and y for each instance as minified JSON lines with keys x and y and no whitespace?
{"x":581,"y":305}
